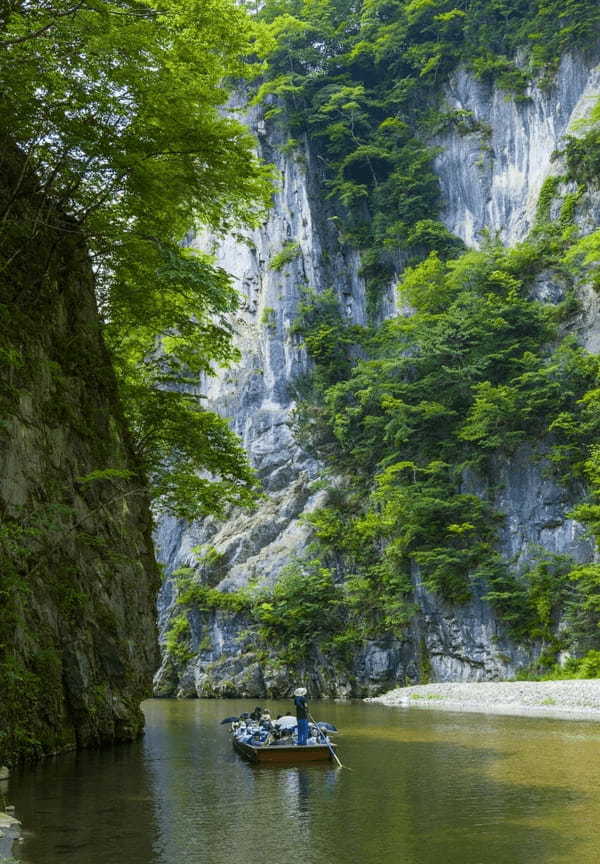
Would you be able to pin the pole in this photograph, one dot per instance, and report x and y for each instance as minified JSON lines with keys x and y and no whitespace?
{"x":331,"y":750}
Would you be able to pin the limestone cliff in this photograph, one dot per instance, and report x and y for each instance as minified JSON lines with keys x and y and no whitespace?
{"x":490,"y":178}
{"x":78,"y":577}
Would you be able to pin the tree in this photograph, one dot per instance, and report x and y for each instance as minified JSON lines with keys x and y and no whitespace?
{"x":118,"y":108}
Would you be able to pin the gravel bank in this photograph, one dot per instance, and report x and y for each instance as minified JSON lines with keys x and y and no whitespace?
{"x":579,"y":699}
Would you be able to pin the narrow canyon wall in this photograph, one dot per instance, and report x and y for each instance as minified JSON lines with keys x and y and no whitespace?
{"x":490,"y":179}
{"x":78,"y":578}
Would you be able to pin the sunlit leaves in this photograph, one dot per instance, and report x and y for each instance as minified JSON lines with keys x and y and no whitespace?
{"x":118,"y":106}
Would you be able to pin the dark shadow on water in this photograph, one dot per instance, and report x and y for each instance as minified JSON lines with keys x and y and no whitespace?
{"x":86,"y":807}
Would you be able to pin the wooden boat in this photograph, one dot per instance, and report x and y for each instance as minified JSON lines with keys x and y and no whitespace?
{"x":283,"y":753}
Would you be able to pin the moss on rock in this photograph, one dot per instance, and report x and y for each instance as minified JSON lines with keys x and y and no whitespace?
{"x":77,"y":574}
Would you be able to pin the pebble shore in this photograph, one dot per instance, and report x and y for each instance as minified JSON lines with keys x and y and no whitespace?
{"x":574,"y":699}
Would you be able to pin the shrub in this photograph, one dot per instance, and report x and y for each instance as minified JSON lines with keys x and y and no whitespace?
{"x":285,"y":256}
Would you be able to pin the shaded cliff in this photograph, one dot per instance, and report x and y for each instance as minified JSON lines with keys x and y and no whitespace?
{"x":491,"y":175}
{"x":78,"y":576}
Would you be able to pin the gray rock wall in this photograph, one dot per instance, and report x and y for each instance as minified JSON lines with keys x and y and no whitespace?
{"x":258,"y":395}
{"x":490,"y":180}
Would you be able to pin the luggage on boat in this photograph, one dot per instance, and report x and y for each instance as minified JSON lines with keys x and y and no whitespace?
{"x":261,"y":740}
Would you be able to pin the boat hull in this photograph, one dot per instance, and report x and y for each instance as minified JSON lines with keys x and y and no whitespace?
{"x":284,"y":754}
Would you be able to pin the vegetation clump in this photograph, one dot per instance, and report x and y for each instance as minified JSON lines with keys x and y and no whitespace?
{"x":288,"y":253}
{"x":479,"y":369}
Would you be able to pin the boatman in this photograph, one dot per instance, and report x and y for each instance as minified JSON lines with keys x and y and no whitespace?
{"x":301,"y":714}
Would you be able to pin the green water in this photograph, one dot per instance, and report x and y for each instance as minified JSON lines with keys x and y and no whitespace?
{"x":425,"y":787}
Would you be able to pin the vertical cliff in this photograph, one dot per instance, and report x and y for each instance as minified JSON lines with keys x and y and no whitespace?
{"x":78,"y":576}
{"x":296,"y":251}
{"x":491,"y":175}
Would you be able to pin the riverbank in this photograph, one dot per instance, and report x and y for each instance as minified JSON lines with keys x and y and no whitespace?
{"x":574,"y":699}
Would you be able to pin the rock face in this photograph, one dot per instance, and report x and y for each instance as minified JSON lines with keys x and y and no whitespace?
{"x":297,"y":250}
{"x":490,"y":179}
{"x":78,"y":578}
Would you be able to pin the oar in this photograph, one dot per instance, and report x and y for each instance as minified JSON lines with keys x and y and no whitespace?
{"x":331,"y":750}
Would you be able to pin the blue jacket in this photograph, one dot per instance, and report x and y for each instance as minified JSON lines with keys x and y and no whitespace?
{"x":301,"y":707}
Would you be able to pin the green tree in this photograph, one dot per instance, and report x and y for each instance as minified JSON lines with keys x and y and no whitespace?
{"x":117,"y":107}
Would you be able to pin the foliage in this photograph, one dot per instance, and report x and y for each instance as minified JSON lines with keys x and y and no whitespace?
{"x":533,"y":602}
{"x":302,"y":607}
{"x":364,"y":80}
{"x":194,"y":595}
{"x":331,"y":341}
{"x":286,"y":254}
{"x":587,"y":666}
{"x":308,"y":609}
{"x":102,"y":474}
{"x":175,"y":439}
{"x":268,"y":318}
{"x":469,"y":366}
{"x":176,"y":639}
{"x":583,"y":156}
{"x":584,"y":257}
{"x":584,"y":610}
{"x":449,"y":535}
{"x":115,"y":106}
{"x":476,"y":370}
{"x":204,"y":598}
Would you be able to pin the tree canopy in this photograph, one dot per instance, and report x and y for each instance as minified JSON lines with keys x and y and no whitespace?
{"x":365,"y":80}
{"x":118,"y":106}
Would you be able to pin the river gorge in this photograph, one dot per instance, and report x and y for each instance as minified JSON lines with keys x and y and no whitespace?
{"x":300,"y":391}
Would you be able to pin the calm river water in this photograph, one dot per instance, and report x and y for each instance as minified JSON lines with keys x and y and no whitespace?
{"x":425,"y":787}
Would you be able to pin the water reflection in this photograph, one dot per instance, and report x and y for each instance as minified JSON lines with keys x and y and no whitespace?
{"x":425,"y":788}
{"x":70,"y":812}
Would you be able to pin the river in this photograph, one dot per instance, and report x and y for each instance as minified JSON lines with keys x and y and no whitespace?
{"x":421,"y":787}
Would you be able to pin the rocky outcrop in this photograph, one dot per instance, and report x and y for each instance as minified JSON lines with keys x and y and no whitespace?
{"x":490,"y":177}
{"x":78,"y":578}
